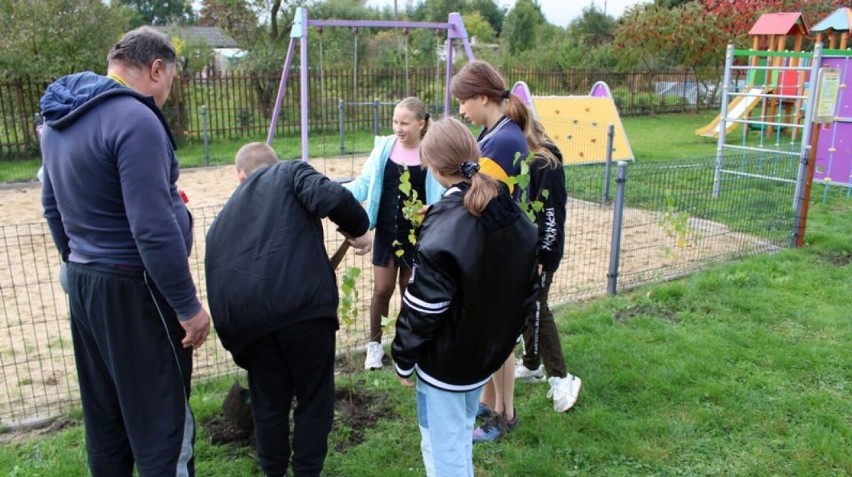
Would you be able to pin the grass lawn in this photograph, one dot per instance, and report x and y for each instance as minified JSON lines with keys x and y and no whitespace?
{"x":669,"y":137}
{"x":741,"y":370}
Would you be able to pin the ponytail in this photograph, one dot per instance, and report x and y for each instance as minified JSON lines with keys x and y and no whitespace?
{"x":483,"y":188}
{"x":450,"y":149}
{"x":537,"y":138}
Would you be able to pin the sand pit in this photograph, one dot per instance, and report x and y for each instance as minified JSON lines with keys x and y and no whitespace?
{"x":36,"y":356}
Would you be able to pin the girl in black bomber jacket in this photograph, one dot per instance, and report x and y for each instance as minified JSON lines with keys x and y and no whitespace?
{"x":541,"y":336}
{"x":474,"y":281}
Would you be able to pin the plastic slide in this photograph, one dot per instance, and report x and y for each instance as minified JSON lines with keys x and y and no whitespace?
{"x":737,"y":109}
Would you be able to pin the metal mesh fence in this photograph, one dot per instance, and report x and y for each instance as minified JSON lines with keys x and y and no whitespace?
{"x":672,"y":225}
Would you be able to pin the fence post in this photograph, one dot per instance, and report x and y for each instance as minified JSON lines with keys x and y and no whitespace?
{"x":803,"y":194}
{"x":375,"y":117}
{"x":204,"y":135}
{"x":720,"y":144}
{"x":617,"y":219}
{"x":341,"y":105}
{"x":610,"y":136}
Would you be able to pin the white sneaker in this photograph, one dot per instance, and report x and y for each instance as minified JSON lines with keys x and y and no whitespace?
{"x":564,"y":392}
{"x":374,"y":355}
{"x":523,"y":373}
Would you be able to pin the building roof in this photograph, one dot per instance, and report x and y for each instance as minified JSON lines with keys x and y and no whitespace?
{"x":839,"y":20}
{"x":780,"y":24}
{"x":214,"y":36}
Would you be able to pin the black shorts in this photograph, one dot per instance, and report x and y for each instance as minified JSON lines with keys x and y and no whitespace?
{"x":384,"y":250}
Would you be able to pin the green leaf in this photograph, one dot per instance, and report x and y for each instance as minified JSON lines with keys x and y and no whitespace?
{"x":405,"y":183}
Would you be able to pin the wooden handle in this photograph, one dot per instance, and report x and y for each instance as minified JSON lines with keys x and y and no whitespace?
{"x":339,"y":254}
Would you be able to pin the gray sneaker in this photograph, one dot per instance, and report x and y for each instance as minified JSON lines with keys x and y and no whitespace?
{"x":523,"y":373}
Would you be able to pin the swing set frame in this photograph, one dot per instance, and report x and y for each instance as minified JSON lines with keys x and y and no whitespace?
{"x":299,"y":33}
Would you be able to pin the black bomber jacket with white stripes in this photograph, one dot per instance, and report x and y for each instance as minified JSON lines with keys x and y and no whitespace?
{"x":473,"y":283}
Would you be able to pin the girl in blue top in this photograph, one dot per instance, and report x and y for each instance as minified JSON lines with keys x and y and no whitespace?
{"x":379,"y":187}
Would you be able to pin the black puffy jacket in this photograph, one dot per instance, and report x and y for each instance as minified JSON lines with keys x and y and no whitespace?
{"x":473,"y":282}
{"x":266,"y":263}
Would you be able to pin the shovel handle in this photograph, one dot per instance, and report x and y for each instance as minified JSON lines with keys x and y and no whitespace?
{"x":340,"y":253}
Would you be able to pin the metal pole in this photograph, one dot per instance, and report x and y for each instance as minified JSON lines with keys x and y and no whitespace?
{"x":720,"y":145}
{"x":610,"y":136}
{"x":205,"y":136}
{"x":341,"y":106}
{"x":376,"y":117}
{"x":803,"y":192}
{"x":617,"y":220}
{"x":448,"y":77}
{"x":808,"y":130}
{"x":276,"y":110}
{"x":303,"y":86}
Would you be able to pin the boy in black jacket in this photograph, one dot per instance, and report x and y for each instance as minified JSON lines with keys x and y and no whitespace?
{"x":273,"y":299}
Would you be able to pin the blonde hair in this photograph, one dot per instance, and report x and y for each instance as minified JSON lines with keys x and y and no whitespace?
{"x":479,"y":78}
{"x":253,"y":156}
{"x":448,"y":145}
{"x":416,"y":106}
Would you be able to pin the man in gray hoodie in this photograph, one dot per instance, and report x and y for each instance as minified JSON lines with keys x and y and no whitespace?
{"x":111,"y":202}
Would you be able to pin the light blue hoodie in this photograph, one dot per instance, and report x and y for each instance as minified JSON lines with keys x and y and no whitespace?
{"x":368,"y":187}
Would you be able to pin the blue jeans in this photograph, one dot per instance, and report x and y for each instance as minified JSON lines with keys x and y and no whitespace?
{"x":446,"y":428}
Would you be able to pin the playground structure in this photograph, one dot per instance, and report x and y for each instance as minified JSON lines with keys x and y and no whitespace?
{"x":299,"y":33}
{"x":801,"y":95}
{"x":587,"y":129}
{"x":773,"y":81}
{"x":833,"y":152}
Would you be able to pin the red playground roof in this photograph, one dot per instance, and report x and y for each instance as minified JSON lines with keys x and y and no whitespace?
{"x":779,"y":24}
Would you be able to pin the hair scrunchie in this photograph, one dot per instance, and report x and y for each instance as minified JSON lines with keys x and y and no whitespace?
{"x":506,"y":94}
{"x":468,"y":169}
{"x":426,"y":117}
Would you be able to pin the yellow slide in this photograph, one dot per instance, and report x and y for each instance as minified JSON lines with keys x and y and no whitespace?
{"x":737,"y":109}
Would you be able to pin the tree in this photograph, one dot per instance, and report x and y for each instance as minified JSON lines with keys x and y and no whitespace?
{"x":490,"y":11}
{"x":235,"y":17}
{"x":644,"y":37}
{"x":438,"y":10}
{"x":519,"y":29}
{"x":478,"y":27}
{"x":594,"y":28}
{"x":161,"y":12}
{"x":50,"y":38}
{"x":654,"y":36}
{"x":737,"y":18}
{"x":671,"y":3}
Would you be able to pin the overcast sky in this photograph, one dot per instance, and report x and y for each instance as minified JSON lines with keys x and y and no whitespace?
{"x":558,"y":12}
